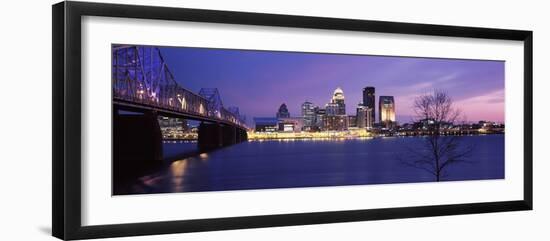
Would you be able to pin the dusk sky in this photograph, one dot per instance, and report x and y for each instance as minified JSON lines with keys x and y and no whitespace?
{"x":258,"y":82}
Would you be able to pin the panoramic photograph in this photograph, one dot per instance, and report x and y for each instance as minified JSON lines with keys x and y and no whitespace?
{"x":189,"y":119}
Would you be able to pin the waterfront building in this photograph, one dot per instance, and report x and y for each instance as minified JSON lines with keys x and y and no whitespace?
{"x":352,"y":121}
{"x":336,"y":123}
{"x":265,"y":124}
{"x":338,"y":100}
{"x":331,"y":108}
{"x":369,"y":118}
{"x":490,"y":127}
{"x":364,"y":116}
{"x":174,"y":123}
{"x":368,"y":100}
{"x":336,"y":119}
{"x":429,"y":123}
{"x":361,"y":116}
{"x":283,"y":112}
{"x":320,"y":116}
{"x":291,"y":124}
{"x":308,"y":114}
{"x":173,"y":128}
{"x":386,"y":105}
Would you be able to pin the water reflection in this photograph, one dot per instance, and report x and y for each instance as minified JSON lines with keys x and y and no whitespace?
{"x":178,"y":169}
{"x":203,"y":156}
{"x":308,"y":163}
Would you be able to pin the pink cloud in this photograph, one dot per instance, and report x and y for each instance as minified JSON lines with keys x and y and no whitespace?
{"x":484,"y":107}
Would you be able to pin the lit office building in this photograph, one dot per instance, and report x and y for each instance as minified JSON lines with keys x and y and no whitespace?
{"x":173,"y":128}
{"x":283,"y":112}
{"x":368,"y":100}
{"x":320,"y":116}
{"x":369,"y":118}
{"x":352,"y":121}
{"x":291,"y":124}
{"x":332,"y":108}
{"x":338,"y":99}
{"x":336,"y":119}
{"x":336,"y":123}
{"x":364,"y":117}
{"x":266,"y":124}
{"x":387,"y":110}
{"x":308,"y":114}
{"x":174,"y":123}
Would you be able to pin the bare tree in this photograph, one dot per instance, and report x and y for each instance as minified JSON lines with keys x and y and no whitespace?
{"x":439,"y":150}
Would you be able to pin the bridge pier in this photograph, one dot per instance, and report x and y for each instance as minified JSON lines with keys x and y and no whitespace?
{"x":213,"y":136}
{"x":241,"y":135}
{"x":238,"y":135}
{"x":229,"y":135}
{"x":210,"y":136}
{"x":137,"y":144}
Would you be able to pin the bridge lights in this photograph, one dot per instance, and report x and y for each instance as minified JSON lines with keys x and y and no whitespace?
{"x":201,"y":109}
{"x":183,"y":102}
{"x":140,"y":94}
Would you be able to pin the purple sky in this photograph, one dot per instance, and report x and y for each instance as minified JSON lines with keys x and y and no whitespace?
{"x":259,"y":81}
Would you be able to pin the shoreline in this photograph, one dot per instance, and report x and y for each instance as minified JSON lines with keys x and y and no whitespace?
{"x":330,"y":137}
{"x":361,"y":138}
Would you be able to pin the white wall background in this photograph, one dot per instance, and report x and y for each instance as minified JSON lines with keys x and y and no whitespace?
{"x":25,"y":101}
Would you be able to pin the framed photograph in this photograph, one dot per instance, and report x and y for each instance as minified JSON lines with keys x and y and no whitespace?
{"x":169,"y":120}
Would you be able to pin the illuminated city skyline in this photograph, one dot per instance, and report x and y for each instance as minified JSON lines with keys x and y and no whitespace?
{"x":477,"y":86}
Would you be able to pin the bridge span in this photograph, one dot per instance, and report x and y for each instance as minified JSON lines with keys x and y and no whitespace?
{"x":142,"y":83}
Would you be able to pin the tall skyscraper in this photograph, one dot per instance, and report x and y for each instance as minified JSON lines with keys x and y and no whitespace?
{"x":361,"y":116}
{"x":320,"y":116}
{"x":369,"y":121}
{"x":386,"y":106}
{"x":331,"y":108}
{"x":336,"y":123}
{"x":283,"y":112}
{"x":368,"y":100}
{"x":352,"y":121}
{"x":364,"y":116}
{"x":308,"y":114}
{"x":336,"y":118}
{"x":338,"y":99}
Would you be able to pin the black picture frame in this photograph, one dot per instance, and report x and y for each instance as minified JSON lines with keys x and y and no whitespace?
{"x":66,"y":47}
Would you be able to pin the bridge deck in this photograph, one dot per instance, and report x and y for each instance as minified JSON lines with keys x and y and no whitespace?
{"x":168,"y":112}
{"x":142,"y":81}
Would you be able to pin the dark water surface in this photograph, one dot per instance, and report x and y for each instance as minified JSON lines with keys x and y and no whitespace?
{"x":311,"y":163}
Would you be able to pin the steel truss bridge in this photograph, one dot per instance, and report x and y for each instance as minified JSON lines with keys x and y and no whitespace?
{"x":142,"y":81}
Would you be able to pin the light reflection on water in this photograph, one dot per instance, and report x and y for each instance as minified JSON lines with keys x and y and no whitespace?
{"x":312,"y":163}
{"x":177,"y":169}
{"x":203,"y":156}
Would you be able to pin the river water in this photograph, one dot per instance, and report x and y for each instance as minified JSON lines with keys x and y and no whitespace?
{"x":312,"y":163}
